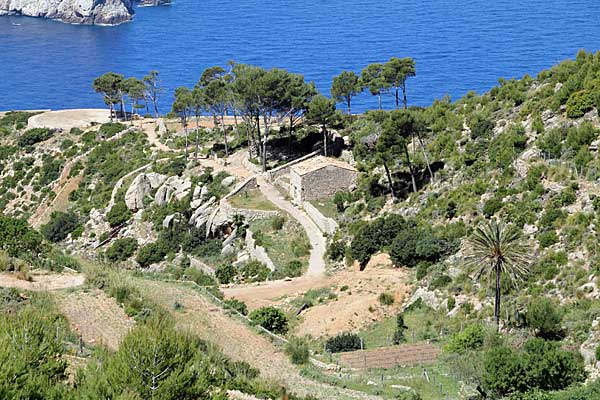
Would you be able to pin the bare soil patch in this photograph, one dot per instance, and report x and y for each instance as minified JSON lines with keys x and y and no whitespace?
{"x":67,"y":119}
{"x":97,"y":317}
{"x":42,"y":281}
{"x":357,"y":304}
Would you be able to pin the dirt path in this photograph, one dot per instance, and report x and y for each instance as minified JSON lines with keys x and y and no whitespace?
{"x":238,"y":341}
{"x":42,"y":281}
{"x":316,"y":263}
{"x":149,"y":128}
{"x":97,"y":317}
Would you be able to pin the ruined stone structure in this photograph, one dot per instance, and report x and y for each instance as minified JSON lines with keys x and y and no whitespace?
{"x":320,"y":177}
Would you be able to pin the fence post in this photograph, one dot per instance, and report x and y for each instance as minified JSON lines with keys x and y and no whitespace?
{"x":80,"y":344}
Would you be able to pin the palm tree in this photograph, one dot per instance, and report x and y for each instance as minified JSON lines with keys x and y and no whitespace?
{"x":496,"y":249}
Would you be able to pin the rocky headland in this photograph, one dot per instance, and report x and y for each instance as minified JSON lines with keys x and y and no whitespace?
{"x":89,"y":12}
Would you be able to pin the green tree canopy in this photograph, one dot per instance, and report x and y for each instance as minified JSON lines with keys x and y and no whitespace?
{"x":345,"y":86}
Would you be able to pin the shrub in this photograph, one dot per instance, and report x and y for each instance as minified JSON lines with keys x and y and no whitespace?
{"x":17,"y":237}
{"x":254,"y":271}
{"x":336,"y":250}
{"x":297,"y":349}
{"x":343,"y":342}
{"x":422,"y":269}
{"x":451,"y":303}
{"x":150,"y":254}
{"x":492,"y":206}
{"x":547,"y":238}
{"x":121,"y":249}
{"x":540,"y":365}
{"x":270,"y":318}
{"x":543,"y":316}
{"x":579,"y":103}
{"x":471,"y":338}
{"x":111,"y":129}
{"x":225,"y":273}
{"x":440,"y":281}
{"x":237,"y":305}
{"x":118,"y":214}
{"x":386,"y":299}
{"x":277,"y":223}
{"x":60,"y":225}
{"x":291,"y":270}
{"x":400,"y":329}
{"x":34,"y":136}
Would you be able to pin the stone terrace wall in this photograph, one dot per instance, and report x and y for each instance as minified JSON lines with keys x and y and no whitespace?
{"x":326,"y":182}
{"x":325,"y":224}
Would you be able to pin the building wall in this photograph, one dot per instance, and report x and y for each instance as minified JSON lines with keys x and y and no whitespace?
{"x":325,"y":182}
{"x":295,"y":187}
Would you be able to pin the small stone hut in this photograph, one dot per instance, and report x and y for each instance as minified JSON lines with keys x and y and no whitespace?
{"x":320,"y":177}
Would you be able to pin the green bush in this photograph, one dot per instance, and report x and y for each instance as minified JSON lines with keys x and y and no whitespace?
{"x":225,"y":273}
{"x":34,"y":136}
{"x":121,"y":249}
{"x":236,"y":305}
{"x":400,"y":329}
{"x":492,"y":206}
{"x":277,"y":223}
{"x":150,"y":254}
{"x":18,"y":238}
{"x":470,"y":338}
{"x":547,"y":238}
{"x":440,"y":281}
{"x":422,"y":269}
{"x":336,"y":250}
{"x":386,"y":299}
{"x":343,"y":342}
{"x":270,"y":318}
{"x":110,"y":129}
{"x":543,"y":316}
{"x":254,"y":271}
{"x":539,"y":365}
{"x":297,"y":349}
{"x":579,"y":103}
{"x":118,"y":214}
{"x":60,"y":225}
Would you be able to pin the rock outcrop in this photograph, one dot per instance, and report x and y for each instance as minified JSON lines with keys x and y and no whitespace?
{"x":142,"y":186}
{"x":98,"y":12}
{"x":89,"y":12}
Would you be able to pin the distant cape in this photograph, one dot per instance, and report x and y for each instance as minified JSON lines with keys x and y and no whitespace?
{"x":89,"y":12}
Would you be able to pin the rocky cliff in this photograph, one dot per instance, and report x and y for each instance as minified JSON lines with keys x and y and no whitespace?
{"x":100,"y":12}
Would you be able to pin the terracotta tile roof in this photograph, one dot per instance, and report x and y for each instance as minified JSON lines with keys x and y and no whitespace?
{"x":316,"y":163}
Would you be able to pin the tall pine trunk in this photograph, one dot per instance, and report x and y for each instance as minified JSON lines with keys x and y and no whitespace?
{"x":197,"y":138}
{"x":324,"y":140}
{"x":425,"y":156}
{"x":410,"y":168}
{"x":389,"y":178}
{"x":224,"y":134}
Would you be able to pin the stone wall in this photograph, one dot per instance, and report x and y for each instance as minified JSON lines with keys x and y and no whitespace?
{"x":324,"y":182}
{"x":258,"y":253}
{"x":248,"y":184}
{"x":325,"y":224}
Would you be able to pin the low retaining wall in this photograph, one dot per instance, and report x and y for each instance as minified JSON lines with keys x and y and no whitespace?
{"x":258,"y":253}
{"x":248,"y":184}
{"x":325,"y":224}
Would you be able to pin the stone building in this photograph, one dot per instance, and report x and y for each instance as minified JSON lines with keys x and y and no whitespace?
{"x":320,"y":177}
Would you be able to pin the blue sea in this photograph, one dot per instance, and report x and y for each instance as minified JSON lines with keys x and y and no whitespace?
{"x":458,"y":45}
